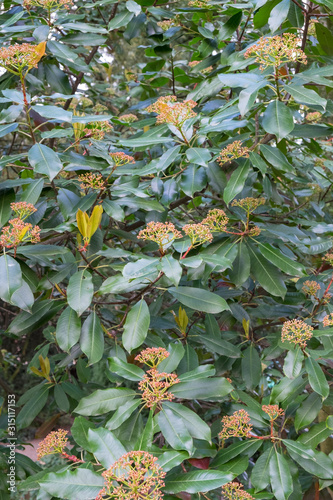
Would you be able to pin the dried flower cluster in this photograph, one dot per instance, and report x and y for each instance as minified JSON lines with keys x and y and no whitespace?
{"x":154,"y":387}
{"x":232,"y":152}
{"x":216,"y":220}
{"x":19,"y":57}
{"x":169,"y":23}
{"x":49,"y":5}
{"x":235,"y":491}
{"x":172,"y":112}
{"x":277,"y":50}
{"x":297,"y":332}
{"x":18,"y":232}
{"x":310,"y":288}
{"x":236,"y":425}
{"x":152,"y":356}
{"x":162,"y":233}
{"x":91,"y":181}
{"x":248,"y":204}
{"x":137,"y":475}
{"x":22,"y":209}
{"x":120,"y":159}
{"x":273,"y":411}
{"x":328,"y":320}
{"x":55,"y":442}
{"x":128,"y":118}
{"x":198,"y":233}
{"x":315,"y":116}
{"x":97,"y":130}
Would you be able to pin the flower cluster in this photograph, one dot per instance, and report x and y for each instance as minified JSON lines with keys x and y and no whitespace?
{"x":328,"y":320}
{"x":169,"y":23}
{"x":152,"y":356}
{"x":204,"y":71}
{"x":313,"y":117}
{"x":248,"y":204}
{"x":154,"y":386}
{"x":120,"y":159}
{"x":48,"y":4}
{"x":235,"y":491}
{"x":22,"y":209}
{"x":138,"y":477}
{"x":232,"y":152}
{"x":277,"y":50}
{"x":128,"y":118}
{"x":198,"y":233}
{"x":216,"y":220}
{"x":297,"y":332}
{"x":312,"y":27}
{"x":55,"y":442}
{"x":92,"y":181}
{"x":162,"y":233}
{"x":328,"y":258}
{"x":97,"y":130}
{"x":18,"y":232}
{"x":172,"y":112}
{"x":254,"y":231}
{"x":236,"y":425}
{"x":19,"y":57}
{"x":273,"y":411}
{"x":200,"y":4}
{"x":99,"y":108}
{"x":310,"y":287}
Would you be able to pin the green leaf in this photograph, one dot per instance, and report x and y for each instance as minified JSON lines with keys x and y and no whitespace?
{"x":220,"y":346}
{"x":126,"y":370}
{"x":286,"y":390}
{"x":122,"y":414}
{"x":10,"y":277}
{"x":113,"y":210}
{"x":136,"y":326}
{"x":305,"y":96}
{"x":280,"y":477}
{"x":171,"y":268}
{"x":241,"y":266}
{"x":314,"y":462}
{"x":276,"y":158}
{"x":228,"y":28}
{"x":92,"y":338}
{"x":61,"y":398}
{"x":266,"y":274}
{"x":68,"y":329}
{"x":104,"y":400}
{"x":196,"y":427}
{"x":79,"y":484}
{"x":325,"y":37}
{"x":199,"y":299}
{"x":7,"y":129}
{"x":197,"y":481}
{"x":33,"y":407}
{"x":278,"y":15}
{"x":206,"y":389}
{"x":23,"y":297}
{"x":260,"y":472}
{"x":236,"y":182}
{"x":251,"y":367}
{"x":293,"y":363}
{"x":198,"y":156}
{"x":317,"y":378}
{"x":41,"y":312}
{"x":120,"y":20}
{"x":105,"y":446}
{"x":80,"y":291}
{"x":170,"y":459}
{"x":317,"y":434}
{"x":79,"y":431}
{"x":174,"y":430}
{"x":170,"y":364}
{"x":248,"y":447}
{"x":193,"y":179}
{"x":145,"y":440}
{"x":55,"y":113}
{"x":44,"y":160}
{"x":278,"y":119}
{"x":277,"y":258}
{"x":308,"y":411}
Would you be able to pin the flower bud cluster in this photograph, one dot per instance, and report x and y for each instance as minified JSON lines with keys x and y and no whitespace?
{"x":297,"y":332}
{"x":328,"y":258}
{"x":169,"y":23}
{"x":22,"y":209}
{"x":97,"y":130}
{"x":129,"y":118}
{"x":18,"y":232}
{"x":273,"y":411}
{"x":198,"y":233}
{"x":154,"y":387}
{"x":19,"y":57}
{"x":172,"y":112}
{"x":235,"y":491}
{"x":232,"y":152}
{"x":134,"y":476}
{"x":120,"y":159}
{"x":55,"y":442}
{"x":162,"y":233}
{"x":277,"y":50}
{"x":152,"y":356}
{"x":315,"y":116}
{"x":310,"y":288}
{"x":216,"y":220}
{"x":200,"y":4}
{"x":91,"y":181}
{"x":236,"y":425}
{"x":50,"y":5}
{"x":248,"y":204}
{"x":328,"y":320}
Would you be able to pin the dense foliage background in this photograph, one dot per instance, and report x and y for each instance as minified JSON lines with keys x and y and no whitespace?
{"x":230,"y":183}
